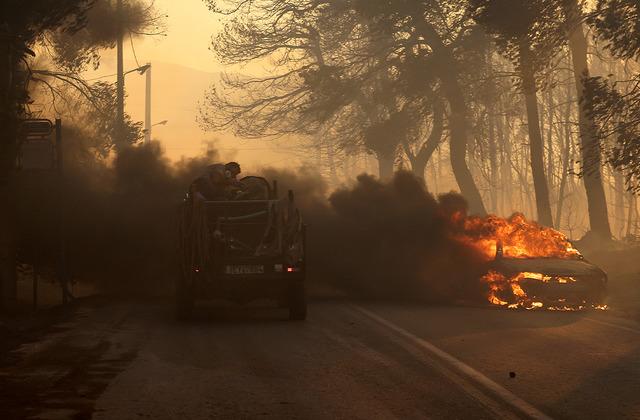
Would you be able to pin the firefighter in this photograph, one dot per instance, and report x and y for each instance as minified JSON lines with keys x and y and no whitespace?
{"x":219,"y":182}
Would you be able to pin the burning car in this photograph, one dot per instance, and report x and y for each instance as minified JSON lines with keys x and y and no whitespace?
{"x":533,"y":266}
{"x":560,"y":283}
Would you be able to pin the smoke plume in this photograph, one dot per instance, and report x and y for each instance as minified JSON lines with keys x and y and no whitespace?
{"x":119,"y":218}
{"x":372,"y":239}
{"x":385,"y":239}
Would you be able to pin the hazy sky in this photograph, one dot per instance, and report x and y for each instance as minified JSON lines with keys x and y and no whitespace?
{"x":190,"y":26}
{"x":183,"y":68}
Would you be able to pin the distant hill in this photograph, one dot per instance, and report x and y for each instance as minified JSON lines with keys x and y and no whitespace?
{"x":176,"y":91}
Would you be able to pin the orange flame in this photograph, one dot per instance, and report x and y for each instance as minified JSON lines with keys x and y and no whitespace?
{"x":519,"y":237}
{"x":501,"y":288}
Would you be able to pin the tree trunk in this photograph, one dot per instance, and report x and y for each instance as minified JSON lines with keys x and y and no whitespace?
{"x":590,"y":144}
{"x":8,"y":279}
{"x":619,"y":201}
{"x":493,"y":159}
{"x":418,"y":167}
{"x":630,"y":214}
{"x":120,"y":141}
{"x":8,"y":109}
{"x":8,"y":150}
{"x":433,"y":167}
{"x":566,"y":157}
{"x":637,"y":217}
{"x":437,"y":171}
{"x":385,"y":166}
{"x":332,"y":163}
{"x":565,"y":172}
{"x":490,"y":105}
{"x":458,"y":143}
{"x":421,"y":158}
{"x":543,"y":206}
{"x":448,"y":75}
{"x":506,"y":175}
{"x":550,"y":165}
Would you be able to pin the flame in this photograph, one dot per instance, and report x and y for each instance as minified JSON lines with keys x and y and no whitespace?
{"x":516,"y":237}
{"x":519,"y":237}
{"x":501,"y":287}
{"x":508,"y":292}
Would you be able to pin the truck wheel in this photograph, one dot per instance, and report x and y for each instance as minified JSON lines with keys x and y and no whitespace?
{"x":297,"y":303}
{"x":184,"y":304}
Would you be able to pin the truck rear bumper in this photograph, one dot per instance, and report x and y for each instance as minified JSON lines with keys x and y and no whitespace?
{"x":246,"y":287}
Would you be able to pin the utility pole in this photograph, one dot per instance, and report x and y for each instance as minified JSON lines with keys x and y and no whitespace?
{"x":119,"y":140}
{"x":147,"y":107}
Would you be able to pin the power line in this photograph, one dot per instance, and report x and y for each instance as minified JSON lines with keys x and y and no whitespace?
{"x":135,"y":57}
{"x":133,"y":49}
{"x":101,"y":77}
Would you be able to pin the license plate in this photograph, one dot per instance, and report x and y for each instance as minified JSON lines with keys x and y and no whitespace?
{"x":244,"y":269}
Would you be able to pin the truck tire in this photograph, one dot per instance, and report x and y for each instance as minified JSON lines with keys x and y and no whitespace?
{"x":297,"y":302}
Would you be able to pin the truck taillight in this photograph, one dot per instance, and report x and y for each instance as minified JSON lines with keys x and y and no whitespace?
{"x":279,"y":268}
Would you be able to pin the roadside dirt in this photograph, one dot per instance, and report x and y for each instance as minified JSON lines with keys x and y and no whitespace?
{"x":57,"y":363}
{"x":623,"y":269}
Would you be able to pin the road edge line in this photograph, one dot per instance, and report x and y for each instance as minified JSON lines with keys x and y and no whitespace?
{"x":506,"y":395}
{"x":612,"y":324}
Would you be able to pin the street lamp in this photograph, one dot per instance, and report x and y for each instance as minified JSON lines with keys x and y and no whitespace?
{"x":147,"y":102}
{"x":120,"y":99}
{"x":147,"y":133}
{"x":141,"y":69}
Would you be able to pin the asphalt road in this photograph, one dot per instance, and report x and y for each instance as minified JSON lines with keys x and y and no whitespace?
{"x":348,"y":360}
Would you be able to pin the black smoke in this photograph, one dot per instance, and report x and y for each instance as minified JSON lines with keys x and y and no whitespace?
{"x":371,"y":239}
{"x":385,"y":239}
{"x":119,"y":218}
